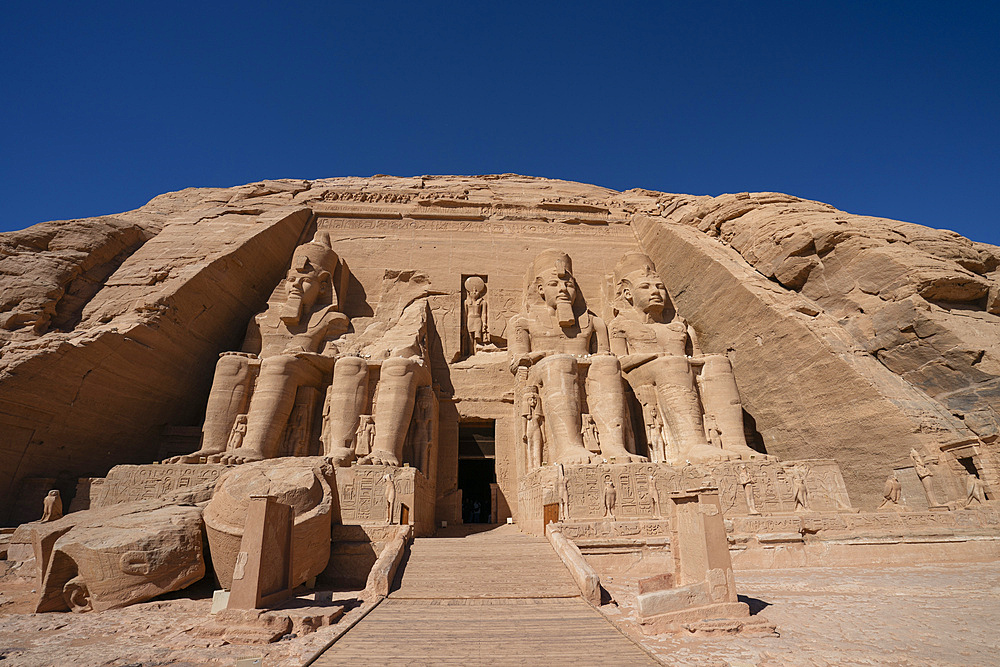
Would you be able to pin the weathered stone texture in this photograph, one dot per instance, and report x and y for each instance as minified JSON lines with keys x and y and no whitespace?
{"x":851,"y":338}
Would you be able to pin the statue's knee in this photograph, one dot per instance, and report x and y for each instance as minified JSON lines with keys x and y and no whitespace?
{"x":231,"y":365}
{"x":605,"y":365}
{"x":350,"y":366}
{"x":558,"y":364}
{"x":397,"y":368}
{"x":717,"y":364}
{"x":277,"y":365}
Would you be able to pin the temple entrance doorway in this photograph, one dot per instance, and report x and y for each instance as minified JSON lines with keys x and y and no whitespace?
{"x":477,"y":473}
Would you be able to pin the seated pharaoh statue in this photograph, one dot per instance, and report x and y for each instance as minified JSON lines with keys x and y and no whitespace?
{"x":395,"y":345}
{"x":289,"y":345}
{"x":671,"y":378}
{"x":552,"y":341}
{"x":301,"y":341}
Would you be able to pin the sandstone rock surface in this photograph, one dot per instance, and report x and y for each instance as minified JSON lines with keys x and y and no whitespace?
{"x":851,"y":338}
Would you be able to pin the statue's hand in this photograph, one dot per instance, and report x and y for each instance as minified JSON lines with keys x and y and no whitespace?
{"x":526,"y":360}
{"x":630,"y":361}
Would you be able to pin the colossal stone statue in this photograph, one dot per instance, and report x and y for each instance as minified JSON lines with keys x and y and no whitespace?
{"x":295,"y":342}
{"x":395,"y":346}
{"x":552,"y":339}
{"x":667,"y":371}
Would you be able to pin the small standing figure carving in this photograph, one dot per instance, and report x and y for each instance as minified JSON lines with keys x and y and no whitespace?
{"x":657,"y":447}
{"x":926,"y":477}
{"x":610,"y":496}
{"x":52,"y":508}
{"x":712,"y":432}
{"x":563,"y":493}
{"x":365,"y":436}
{"x":236,"y":435}
{"x":532,"y":414}
{"x":654,"y":494}
{"x":800,"y":490}
{"x":390,"y":496}
{"x":891,"y":493}
{"x":747,"y":483}
{"x":591,"y":438}
{"x":975,"y":490}
{"x":476,"y":313}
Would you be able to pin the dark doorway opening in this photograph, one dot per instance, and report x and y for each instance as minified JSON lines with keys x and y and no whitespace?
{"x":969,"y":465}
{"x":477,"y":471}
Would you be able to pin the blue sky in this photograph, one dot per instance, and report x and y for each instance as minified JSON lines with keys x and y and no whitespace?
{"x":881,"y":108}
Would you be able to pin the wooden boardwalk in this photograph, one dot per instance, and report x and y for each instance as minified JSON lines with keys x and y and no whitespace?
{"x":490,"y":598}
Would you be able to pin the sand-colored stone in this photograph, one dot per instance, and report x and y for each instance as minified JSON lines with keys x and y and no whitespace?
{"x":305,"y":484}
{"x":683,"y":384}
{"x":117,"y":556}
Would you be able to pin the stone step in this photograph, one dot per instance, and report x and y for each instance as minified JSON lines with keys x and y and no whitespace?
{"x":499,"y":563}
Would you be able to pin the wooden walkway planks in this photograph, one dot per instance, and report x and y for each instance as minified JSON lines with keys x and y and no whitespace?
{"x":546,"y":631}
{"x":490,"y":598}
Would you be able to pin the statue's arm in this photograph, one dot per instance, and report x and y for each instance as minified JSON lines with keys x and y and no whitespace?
{"x":601,"y":336}
{"x":695,"y":348}
{"x":520,"y":344}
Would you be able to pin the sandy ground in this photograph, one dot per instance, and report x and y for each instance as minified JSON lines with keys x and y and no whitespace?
{"x":159,"y":632}
{"x":940,"y":615}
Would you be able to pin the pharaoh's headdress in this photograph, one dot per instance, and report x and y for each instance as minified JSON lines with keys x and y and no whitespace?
{"x":319,"y":255}
{"x":632,"y":262}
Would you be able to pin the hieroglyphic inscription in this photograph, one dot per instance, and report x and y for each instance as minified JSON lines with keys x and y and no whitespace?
{"x":772,"y":485}
{"x":362,"y":493}
{"x":129,"y":483}
{"x":473,"y":226}
{"x":641,"y":529}
{"x":874,"y":524}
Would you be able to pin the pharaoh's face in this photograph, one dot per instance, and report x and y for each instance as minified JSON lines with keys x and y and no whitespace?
{"x":304,"y":286}
{"x":648,"y":293}
{"x":555,"y":288}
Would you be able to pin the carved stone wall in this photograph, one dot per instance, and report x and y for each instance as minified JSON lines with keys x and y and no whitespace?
{"x":128,"y":483}
{"x":362,"y":494}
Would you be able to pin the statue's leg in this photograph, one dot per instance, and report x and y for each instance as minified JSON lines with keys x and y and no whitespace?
{"x":397,"y":391}
{"x":559,"y":392}
{"x":271,"y":405}
{"x":347,"y":397}
{"x":230,"y":396}
{"x":606,"y":398}
{"x":677,"y":401}
{"x":722,"y":399}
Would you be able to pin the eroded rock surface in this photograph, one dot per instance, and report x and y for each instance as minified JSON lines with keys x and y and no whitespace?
{"x":850,"y":337}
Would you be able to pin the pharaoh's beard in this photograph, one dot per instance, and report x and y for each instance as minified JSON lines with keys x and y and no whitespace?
{"x":565,"y":314}
{"x":292,"y":311}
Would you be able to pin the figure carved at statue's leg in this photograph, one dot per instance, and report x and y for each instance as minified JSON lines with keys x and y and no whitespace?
{"x":397,"y":390}
{"x":607,"y":407}
{"x":559,"y":390}
{"x":677,"y":401}
{"x":722,"y":399}
{"x":230,"y":396}
{"x":271,"y":405}
{"x":347,"y":397}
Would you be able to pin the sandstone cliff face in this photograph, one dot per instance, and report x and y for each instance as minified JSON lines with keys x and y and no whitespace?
{"x":853,"y":338}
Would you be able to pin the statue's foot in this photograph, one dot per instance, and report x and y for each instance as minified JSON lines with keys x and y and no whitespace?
{"x":624,"y":456}
{"x":241,"y":455}
{"x":194,"y":457}
{"x":380,"y":457}
{"x":340,"y":456}
{"x":575,"y":456}
{"x":708,"y":454}
{"x":746,"y":454}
